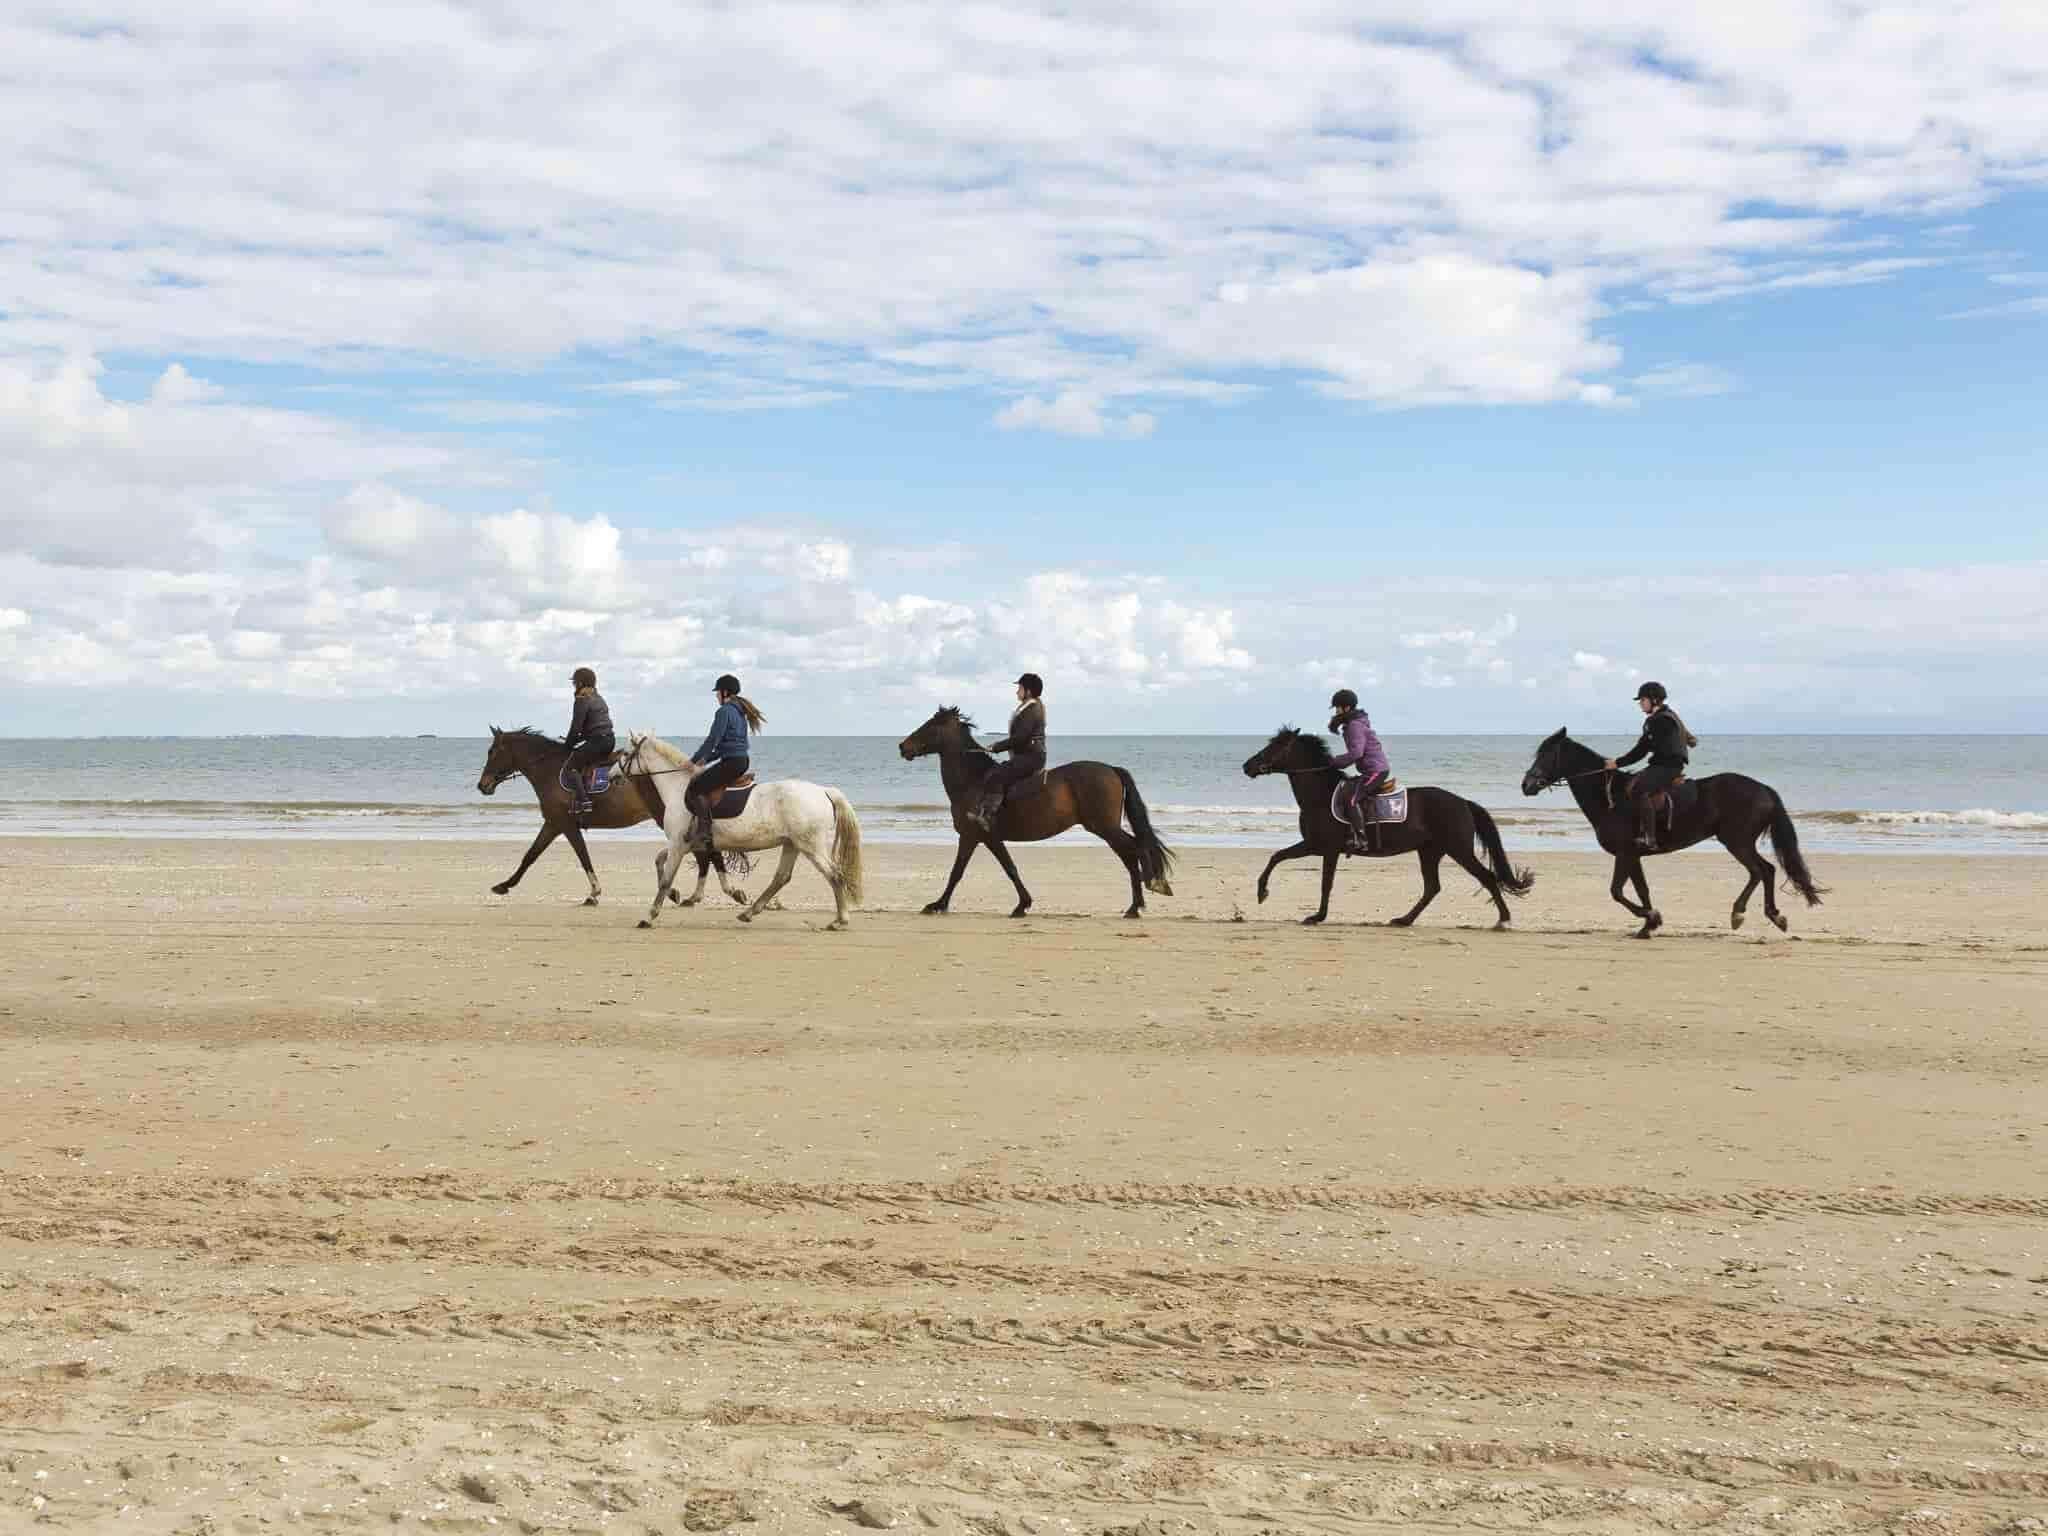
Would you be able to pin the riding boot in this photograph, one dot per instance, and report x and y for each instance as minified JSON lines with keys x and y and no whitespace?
{"x":1646,"y":826}
{"x":984,"y":815}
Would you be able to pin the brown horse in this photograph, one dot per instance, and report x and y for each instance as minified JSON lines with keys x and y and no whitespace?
{"x":627,"y":803}
{"x":1092,"y":795}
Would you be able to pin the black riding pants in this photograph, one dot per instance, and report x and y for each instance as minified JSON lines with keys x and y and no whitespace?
{"x":1656,"y":777}
{"x":726,"y":770}
{"x":1021,"y":766}
{"x":592,"y":749}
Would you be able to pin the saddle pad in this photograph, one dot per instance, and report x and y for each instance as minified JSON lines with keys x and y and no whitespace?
{"x":1381,"y":808}
{"x":603,"y":781}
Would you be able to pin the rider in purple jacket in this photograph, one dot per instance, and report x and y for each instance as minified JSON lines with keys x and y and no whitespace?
{"x":1361,"y":746}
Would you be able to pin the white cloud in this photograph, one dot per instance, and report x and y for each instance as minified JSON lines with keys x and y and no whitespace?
{"x":1073,"y":413}
{"x":793,"y":201}
{"x":1684,"y":381}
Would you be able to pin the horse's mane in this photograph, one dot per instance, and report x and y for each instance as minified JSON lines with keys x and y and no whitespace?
{"x":959,"y":717}
{"x":654,"y":746}
{"x":1312,"y":746}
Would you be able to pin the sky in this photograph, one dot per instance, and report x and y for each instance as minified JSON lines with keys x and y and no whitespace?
{"x":366,"y":368}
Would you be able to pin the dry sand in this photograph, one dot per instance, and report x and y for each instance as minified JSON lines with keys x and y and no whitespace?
{"x":336,"y":1191}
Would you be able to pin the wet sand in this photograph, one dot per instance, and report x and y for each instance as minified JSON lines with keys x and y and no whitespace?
{"x":337,"y":1191}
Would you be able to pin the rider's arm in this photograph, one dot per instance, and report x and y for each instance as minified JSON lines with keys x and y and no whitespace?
{"x":1354,"y":745}
{"x":578,"y":718}
{"x":1636,"y":753}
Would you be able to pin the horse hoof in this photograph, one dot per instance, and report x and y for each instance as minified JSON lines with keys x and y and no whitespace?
{"x":1262,"y":895}
{"x":1312,"y":919}
{"x":739,"y":897}
{"x":1735,"y":920}
{"x":501,"y":890}
{"x":746,"y":917}
{"x":1400,"y":922}
{"x":590,"y":901}
{"x":837,"y":927}
{"x":646,"y":922}
{"x":933,"y":909}
{"x":1135,"y":914}
{"x":1779,"y":918}
{"x":1024,"y":911}
{"x":1656,"y":921}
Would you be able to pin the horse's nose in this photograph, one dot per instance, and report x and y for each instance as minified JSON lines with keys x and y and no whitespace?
{"x":1251,"y":770}
{"x":486,"y":785}
{"x":903,"y":747}
{"x":1529,"y":784}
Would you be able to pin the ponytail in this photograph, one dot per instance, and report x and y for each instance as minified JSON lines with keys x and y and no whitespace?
{"x":755,"y":719}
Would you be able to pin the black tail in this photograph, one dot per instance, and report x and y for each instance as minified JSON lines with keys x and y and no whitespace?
{"x":1155,"y":859}
{"x":1785,"y":840}
{"x":1516,"y":882}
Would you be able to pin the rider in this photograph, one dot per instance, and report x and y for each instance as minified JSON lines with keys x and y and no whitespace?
{"x":1026,"y":745}
{"x":1361,"y":746}
{"x":1665,"y":742}
{"x":590,"y":737}
{"x":724,"y":751}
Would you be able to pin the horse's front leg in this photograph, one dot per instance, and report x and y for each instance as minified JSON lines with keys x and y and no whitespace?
{"x":1322,"y":912}
{"x":716,"y":860}
{"x":1627,"y":868}
{"x":967,"y":847}
{"x":995,"y":846}
{"x":575,"y":835}
{"x":1300,"y":850}
{"x":548,"y":833}
{"x":666,"y":863}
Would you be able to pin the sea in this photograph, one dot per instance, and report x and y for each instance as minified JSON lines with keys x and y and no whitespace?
{"x":1890,"y":794}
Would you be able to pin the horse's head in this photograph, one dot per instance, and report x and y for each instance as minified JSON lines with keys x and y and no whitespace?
{"x":1288,"y":750}
{"x":499,"y":764}
{"x":946,"y":728}
{"x":1548,"y":767}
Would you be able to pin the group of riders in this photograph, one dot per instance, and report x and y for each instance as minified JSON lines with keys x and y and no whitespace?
{"x":725,"y":754}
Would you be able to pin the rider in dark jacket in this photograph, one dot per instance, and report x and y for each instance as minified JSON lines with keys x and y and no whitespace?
{"x":1667,"y":744}
{"x":590,"y":737}
{"x":1026,"y":745}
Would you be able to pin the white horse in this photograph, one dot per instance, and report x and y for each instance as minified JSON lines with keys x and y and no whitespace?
{"x":799,"y":818}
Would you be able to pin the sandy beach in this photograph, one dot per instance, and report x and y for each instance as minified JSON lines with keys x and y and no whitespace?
{"x":335,"y":1191}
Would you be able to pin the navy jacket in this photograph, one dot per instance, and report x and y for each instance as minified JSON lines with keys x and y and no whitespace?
{"x":728,"y":736}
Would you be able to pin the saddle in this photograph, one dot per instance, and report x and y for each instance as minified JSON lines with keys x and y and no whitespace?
{"x":728,"y":800}
{"x":1024,"y":789}
{"x":597,"y":777}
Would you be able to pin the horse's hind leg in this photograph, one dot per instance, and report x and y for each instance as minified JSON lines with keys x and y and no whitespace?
{"x":575,"y":835}
{"x":824,"y":868}
{"x":1125,"y":847}
{"x":1761,"y":873}
{"x":717,"y":861}
{"x":1430,"y":858}
{"x":1485,"y":877}
{"x":784,"y":868}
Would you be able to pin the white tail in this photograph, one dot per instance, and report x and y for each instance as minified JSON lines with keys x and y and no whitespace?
{"x":846,"y":845}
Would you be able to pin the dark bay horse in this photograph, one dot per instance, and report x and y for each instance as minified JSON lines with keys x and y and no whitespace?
{"x":1092,"y":795}
{"x":1727,"y":806}
{"x":627,"y":803}
{"x":1438,"y":823}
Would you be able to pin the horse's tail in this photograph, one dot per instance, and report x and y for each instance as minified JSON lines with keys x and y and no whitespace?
{"x":1785,"y":839}
{"x":1516,"y":882}
{"x":845,"y":845}
{"x":1155,"y":859}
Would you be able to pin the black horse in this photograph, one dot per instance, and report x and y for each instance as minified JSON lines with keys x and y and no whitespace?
{"x":1438,"y":823}
{"x":1728,"y":806}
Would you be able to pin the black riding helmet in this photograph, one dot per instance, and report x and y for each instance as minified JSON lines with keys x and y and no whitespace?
{"x":726,"y":684}
{"x":1343,"y":698}
{"x":1652,"y":691}
{"x":583,"y":677}
{"x":1032,"y":684}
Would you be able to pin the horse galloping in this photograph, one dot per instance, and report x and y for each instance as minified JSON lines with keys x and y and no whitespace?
{"x":813,"y":821}
{"x":1730,"y":807}
{"x":1096,"y":796}
{"x":1438,"y":823}
{"x":541,"y":758}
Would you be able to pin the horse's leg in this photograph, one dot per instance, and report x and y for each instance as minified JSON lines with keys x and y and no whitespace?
{"x":1429,"y":856}
{"x":575,"y":835}
{"x":1329,"y":879}
{"x":1125,"y":847}
{"x":784,"y":868}
{"x":548,"y":833}
{"x":832,"y":879}
{"x":1623,"y":863}
{"x":1461,"y":855}
{"x":1761,"y":872}
{"x":1300,"y":850}
{"x":995,"y":846}
{"x":1652,"y":918}
{"x":967,"y":847}
{"x":666,"y":865}
{"x":716,"y":860}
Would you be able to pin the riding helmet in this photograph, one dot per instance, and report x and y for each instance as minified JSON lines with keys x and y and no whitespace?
{"x":1343,"y":698}
{"x":583,"y":677}
{"x":726,"y":684}
{"x":1653,"y":691}
{"x":1032,"y":684}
